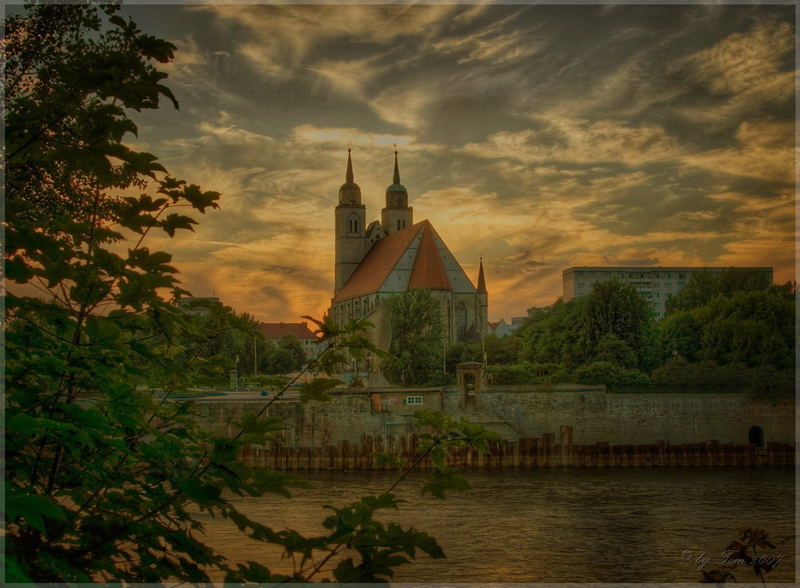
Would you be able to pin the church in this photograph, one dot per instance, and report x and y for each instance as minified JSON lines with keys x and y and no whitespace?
{"x":395,"y":255}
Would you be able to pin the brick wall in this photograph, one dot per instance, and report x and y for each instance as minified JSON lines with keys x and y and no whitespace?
{"x":519,"y":412}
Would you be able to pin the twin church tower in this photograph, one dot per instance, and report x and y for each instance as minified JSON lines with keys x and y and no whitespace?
{"x":395,"y":255}
{"x":353,"y":237}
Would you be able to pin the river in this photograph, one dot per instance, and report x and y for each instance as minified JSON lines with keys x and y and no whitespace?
{"x":554,"y":525}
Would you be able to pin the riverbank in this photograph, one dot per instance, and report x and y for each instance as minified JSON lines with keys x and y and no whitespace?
{"x":524,"y":454}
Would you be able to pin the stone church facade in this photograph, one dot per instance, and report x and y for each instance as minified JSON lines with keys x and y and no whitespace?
{"x":395,"y":255}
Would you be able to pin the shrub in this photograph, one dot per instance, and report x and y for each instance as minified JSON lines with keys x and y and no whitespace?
{"x":605,"y":372}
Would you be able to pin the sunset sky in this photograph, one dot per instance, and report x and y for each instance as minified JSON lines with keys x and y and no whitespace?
{"x":538,"y":137}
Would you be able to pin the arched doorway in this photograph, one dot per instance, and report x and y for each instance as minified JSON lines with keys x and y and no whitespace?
{"x":469,"y":388}
{"x":470,"y":376}
{"x":756,"y":436}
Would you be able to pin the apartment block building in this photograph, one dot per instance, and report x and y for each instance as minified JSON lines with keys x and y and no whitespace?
{"x":656,"y":284}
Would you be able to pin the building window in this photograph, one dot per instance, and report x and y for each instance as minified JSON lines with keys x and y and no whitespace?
{"x":413,"y":400}
{"x":352,"y":224}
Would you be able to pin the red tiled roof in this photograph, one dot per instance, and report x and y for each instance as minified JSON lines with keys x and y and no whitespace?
{"x":428,"y":269}
{"x":493,"y":326}
{"x":278,"y":330}
{"x":379,"y":261}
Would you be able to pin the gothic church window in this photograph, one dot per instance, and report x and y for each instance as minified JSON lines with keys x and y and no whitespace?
{"x":461,"y":321}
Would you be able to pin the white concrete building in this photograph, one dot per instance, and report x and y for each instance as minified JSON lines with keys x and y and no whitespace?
{"x":656,"y":284}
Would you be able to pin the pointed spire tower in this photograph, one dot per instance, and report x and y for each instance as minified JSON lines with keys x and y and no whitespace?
{"x":482,"y":303}
{"x":481,"y":279}
{"x":348,"y":176}
{"x":397,"y":215}
{"x":350,"y":217}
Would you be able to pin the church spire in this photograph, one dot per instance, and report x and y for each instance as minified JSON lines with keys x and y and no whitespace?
{"x":350,"y":192}
{"x":349,"y":176}
{"x":396,"y":177}
{"x":481,"y":279}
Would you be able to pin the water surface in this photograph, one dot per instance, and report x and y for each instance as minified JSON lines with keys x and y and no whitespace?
{"x":553,"y":525}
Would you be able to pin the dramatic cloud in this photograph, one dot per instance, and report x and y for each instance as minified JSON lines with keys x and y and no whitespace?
{"x":535,"y":137}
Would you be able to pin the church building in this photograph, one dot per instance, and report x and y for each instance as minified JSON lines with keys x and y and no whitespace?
{"x":395,"y":255}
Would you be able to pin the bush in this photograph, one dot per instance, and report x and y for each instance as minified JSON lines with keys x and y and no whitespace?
{"x":605,"y":372}
{"x":514,"y":374}
{"x":765,"y":382}
{"x":528,"y":373}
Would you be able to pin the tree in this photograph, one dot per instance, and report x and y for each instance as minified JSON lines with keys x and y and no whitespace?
{"x":610,"y":374}
{"x":462,"y":352}
{"x":705,"y":285}
{"x":611,"y":348}
{"x":103,"y":476}
{"x":753,"y":328}
{"x":502,"y":350}
{"x":292,"y":346}
{"x":608,"y":324}
{"x":280,"y":361}
{"x":215,"y":340}
{"x":615,"y":308}
{"x":557,"y":334}
{"x":679,"y":335}
{"x":417,"y":339}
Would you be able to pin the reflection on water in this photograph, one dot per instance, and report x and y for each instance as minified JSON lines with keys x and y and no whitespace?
{"x":555,"y":525}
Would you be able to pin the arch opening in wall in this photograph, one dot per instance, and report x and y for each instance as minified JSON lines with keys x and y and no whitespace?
{"x":755,"y":436}
{"x":353,"y":224}
{"x":469,"y":383}
{"x":471,"y":388}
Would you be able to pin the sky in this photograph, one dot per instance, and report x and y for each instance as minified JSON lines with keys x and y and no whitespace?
{"x":536,"y":137}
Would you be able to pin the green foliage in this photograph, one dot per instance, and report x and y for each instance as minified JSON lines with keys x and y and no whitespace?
{"x":610,"y":374}
{"x":502,"y":350}
{"x":417,"y":339}
{"x":292,"y":344}
{"x":616,"y":312}
{"x":461,"y":353}
{"x":528,"y":373}
{"x":499,"y":351}
{"x":511,"y":374}
{"x":764,"y":382}
{"x":104,"y":477}
{"x":734,"y":327}
{"x":679,"y":336}
{"x":612,"y":349}
{"x":318,"y":389}
{"x":214,"y":339}
{"x":557,"y":334}
{"x":704,"y":286}
{"x":613,"y":323}
{"x":754,"y":328}
{"x":282,"y":358}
